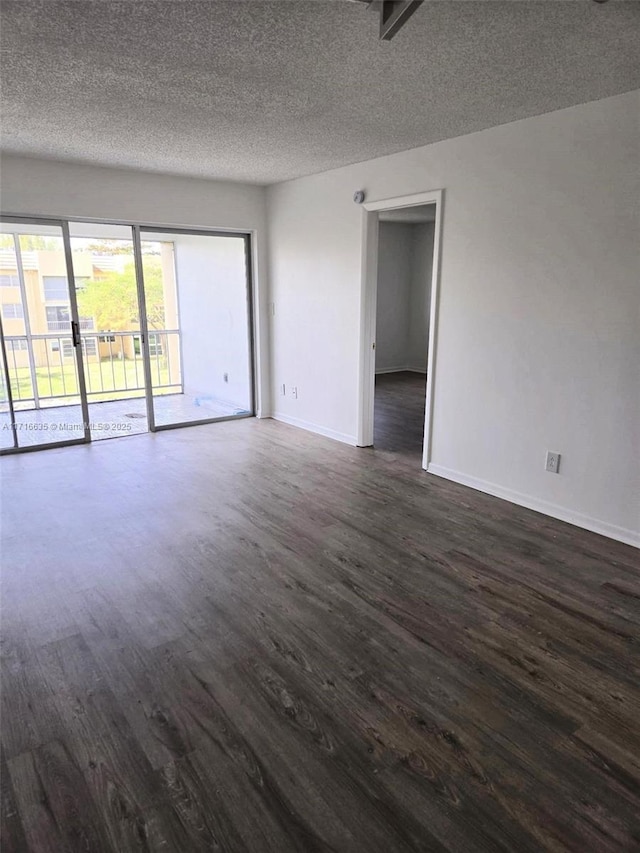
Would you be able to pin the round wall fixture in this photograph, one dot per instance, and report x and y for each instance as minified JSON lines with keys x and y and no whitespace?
{"x":358,"y":196}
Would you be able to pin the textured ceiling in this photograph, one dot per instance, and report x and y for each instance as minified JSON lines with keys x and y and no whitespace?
{"x":264,"y":91}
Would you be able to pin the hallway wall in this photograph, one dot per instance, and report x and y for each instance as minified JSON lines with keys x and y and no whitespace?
{"x":405,"y":256}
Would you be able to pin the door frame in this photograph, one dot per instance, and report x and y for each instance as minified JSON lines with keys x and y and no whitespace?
{"x":368,"y":301}
{"x":63,"y":224}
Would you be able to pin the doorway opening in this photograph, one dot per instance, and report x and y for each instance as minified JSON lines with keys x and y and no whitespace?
{"x":401,"y":247}
{"x":405,"y":259}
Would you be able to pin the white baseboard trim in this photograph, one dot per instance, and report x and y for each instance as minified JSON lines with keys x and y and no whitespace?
{"x":405,"y":369}
{"x":621,"y":534}
{"x":320,"y":430}
{"x":390,"y":370}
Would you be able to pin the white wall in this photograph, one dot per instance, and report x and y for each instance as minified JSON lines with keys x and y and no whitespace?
{"x":405,"y":260}
{"x":421,"y":271}
{"x":212,"y":299}
{"x":538,"y":341}
{"x":395,"y":267}
{"x":50,"y":188}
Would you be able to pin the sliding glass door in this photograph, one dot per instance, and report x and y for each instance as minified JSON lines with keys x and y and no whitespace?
{"x":198,"y":325}
{"x":111,"y":329}
{"x":42,"y":396}
{"x":109,"y":313}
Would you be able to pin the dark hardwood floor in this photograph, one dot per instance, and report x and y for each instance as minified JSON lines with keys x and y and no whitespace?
{"x":398,"y":424}
{"x":245,"y":637}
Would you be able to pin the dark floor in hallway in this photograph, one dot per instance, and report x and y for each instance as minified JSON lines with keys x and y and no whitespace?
{"x":245,"y":637}
{"x":399,"y":413}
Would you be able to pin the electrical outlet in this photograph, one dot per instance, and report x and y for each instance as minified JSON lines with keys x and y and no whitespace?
{"x":553,"y":462}
{"x":283,"y":389}
{"x":294,"y":392}
{"x":225,"y":376}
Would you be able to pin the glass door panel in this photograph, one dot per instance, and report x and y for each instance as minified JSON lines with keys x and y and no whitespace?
{"x":196,"y":293}
{"x":37,"y":313}
{"x":109,"y":316}
{"x":7,"y":433}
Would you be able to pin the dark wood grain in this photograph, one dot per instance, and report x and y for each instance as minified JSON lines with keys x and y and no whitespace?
{"x":13,"y":839}
{"x":57,"y":809}
{"x":399,"y":408}
{"x":244,"y":637}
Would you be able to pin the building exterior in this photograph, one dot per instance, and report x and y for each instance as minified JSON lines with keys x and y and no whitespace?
{"x":35,"y":312}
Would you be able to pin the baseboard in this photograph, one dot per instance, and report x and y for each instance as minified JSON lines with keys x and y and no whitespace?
{"x":621,"y":534}
{"x":404,"y":369}
{"x":319,"y":430}
{"x":381,"y":370}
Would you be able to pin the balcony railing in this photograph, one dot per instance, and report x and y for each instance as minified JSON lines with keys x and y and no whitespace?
{"x":43,"y":369}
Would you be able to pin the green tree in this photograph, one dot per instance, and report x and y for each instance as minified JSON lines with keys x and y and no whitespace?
{"x":112,"y":299}
{"x":30,"y":242}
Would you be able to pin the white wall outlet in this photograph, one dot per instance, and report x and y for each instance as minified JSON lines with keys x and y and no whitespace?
{"x":294,"y":392}
{"x":553,"y":462}
{"x":283,"y":389}
{"x":225,"y":376}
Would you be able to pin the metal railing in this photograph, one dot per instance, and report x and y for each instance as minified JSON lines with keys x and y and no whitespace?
{"x":43,"y":368}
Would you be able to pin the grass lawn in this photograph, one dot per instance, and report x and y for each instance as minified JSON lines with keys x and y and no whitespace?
{"x":102,"y":379}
